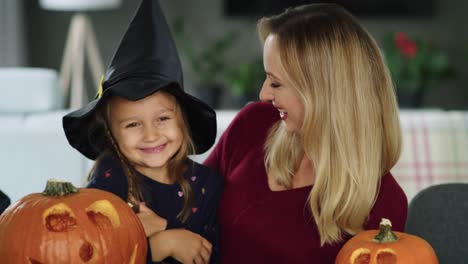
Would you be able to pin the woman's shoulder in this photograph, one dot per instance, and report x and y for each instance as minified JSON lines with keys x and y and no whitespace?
{"x":258,"y":110}
{"x":391,"y":203}
{"x":253,"y":118}
{"x":389,"y":186}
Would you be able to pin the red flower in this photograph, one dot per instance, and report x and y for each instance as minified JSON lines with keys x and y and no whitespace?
{"x":406,"y":46}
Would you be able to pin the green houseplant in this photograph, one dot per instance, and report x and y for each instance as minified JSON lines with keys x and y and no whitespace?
{"x":245,"y":80}
{"x":416,"y":65}
{"x":208,"y":60}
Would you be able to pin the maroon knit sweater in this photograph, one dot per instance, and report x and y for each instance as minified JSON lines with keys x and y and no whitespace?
{"x":263,"y":226}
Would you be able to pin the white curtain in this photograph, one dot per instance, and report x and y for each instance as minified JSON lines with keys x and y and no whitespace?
{"x":12,"y":46}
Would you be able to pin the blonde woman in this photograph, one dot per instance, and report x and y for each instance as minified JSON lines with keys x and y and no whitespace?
{"x":309,"y":166}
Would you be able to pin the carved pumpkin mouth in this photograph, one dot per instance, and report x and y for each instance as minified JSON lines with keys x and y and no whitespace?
{"x":383,"y":256}
{"x":33,"y":261}
{"x":86,"y":252}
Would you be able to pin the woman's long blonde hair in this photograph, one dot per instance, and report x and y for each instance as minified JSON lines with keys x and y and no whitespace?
{"x":176,"y":165}
{"x":351,"y":130}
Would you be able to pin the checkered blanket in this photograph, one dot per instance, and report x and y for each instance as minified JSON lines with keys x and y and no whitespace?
{"x":435,"y":149}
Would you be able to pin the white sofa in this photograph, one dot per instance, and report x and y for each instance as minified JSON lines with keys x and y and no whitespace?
{"x":33,"y":147}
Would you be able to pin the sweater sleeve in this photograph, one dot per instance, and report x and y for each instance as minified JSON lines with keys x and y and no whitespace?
{"x":173,"y":223}
{"x":211,"y":227}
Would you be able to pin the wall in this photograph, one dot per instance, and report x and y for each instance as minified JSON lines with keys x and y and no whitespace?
{"x":12,"y":46}
{"x":47,"y":31}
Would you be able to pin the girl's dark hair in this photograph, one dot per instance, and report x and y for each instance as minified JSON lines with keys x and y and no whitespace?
{"x":177,"y":165}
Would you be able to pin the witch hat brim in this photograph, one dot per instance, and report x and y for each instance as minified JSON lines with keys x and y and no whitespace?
{"x":145,"y":62}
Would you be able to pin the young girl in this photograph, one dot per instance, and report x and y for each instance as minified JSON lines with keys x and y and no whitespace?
{"x":140,"y":130}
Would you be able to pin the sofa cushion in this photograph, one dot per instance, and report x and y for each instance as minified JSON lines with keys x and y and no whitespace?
{"x":33,"y":149}
{"x":26,"y":90}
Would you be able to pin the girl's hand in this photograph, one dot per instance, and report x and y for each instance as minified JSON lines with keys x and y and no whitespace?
{"x":182,"y":245}
{"x":152,"y":223}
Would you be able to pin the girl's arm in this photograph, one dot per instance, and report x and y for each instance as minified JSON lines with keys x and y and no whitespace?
{"x":181,"y":244}
{"x":152,"y":223}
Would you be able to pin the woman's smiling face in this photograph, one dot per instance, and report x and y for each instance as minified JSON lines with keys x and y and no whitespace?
{"x":278,"y":90}
{"x":148,"y":131}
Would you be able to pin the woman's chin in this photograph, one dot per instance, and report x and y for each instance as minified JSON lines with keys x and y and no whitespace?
{"x":290,"y":128}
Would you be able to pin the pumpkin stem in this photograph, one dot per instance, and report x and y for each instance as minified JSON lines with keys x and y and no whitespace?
{"x":385,"y":235}
{"x":59,"y":188}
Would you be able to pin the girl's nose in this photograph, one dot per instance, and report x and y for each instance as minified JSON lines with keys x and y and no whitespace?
{"x":150,"y":133}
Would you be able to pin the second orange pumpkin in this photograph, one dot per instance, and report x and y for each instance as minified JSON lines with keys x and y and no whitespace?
{"x":385,"y":246}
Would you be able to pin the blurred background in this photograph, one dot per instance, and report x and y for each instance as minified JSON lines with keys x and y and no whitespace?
{"x":426,"y":42}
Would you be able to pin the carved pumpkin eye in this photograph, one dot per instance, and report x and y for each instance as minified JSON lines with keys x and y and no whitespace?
{"x":386,"y":256}
{"x":361,"y":256}
{"x":59,"y":218}
{"x":103,"y":214}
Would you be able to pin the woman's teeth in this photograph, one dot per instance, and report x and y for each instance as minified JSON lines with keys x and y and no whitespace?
{"x":282,"y":114}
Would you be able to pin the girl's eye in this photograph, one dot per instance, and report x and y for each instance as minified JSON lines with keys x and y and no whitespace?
{"x":133,"y":124}
{"x":164,"y":118}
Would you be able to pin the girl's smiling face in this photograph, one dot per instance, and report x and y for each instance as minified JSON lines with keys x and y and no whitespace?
{"x":278,"y":90}
{"x":148,"y":132}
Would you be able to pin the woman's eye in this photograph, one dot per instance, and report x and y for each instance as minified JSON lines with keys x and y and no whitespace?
{"x":275,"y":85}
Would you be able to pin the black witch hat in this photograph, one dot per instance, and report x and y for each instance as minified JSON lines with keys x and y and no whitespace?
{"x":146,"y":61}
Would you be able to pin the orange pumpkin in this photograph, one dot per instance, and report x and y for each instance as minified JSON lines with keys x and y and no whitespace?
{"x":69,"y":225}
{"x":386,"y":247}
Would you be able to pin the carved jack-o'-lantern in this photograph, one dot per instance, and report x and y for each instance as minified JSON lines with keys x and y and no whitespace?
{"x":385,"y":246}
{"x":69,"y":225}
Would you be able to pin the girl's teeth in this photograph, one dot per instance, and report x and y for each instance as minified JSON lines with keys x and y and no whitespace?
{"x":281,"y":114}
